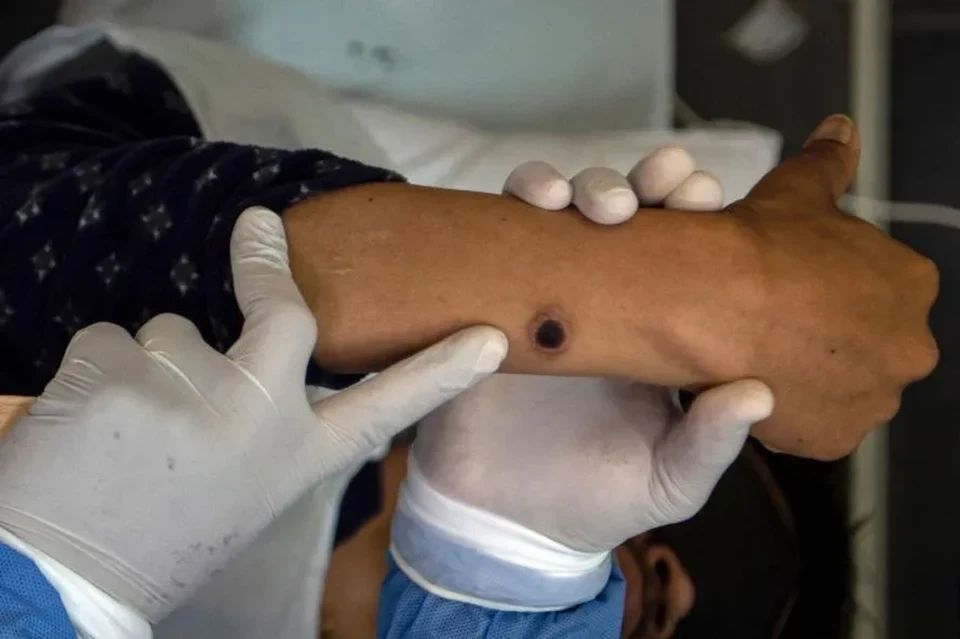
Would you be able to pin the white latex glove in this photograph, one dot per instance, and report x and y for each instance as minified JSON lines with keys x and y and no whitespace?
{"x":552,"y":473}
{"x":149,"y":462}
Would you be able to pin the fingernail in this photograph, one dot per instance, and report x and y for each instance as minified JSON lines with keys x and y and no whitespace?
{"x":836,"y":128}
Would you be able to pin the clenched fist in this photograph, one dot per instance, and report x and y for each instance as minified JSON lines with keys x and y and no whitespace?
{"x":838,"y":323}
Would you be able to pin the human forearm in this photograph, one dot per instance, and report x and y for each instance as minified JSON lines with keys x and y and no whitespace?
{"x":390,"y":268}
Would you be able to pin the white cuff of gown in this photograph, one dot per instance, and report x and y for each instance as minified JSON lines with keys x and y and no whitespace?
{"x":93,"y":613}
{"x":459,"y":552}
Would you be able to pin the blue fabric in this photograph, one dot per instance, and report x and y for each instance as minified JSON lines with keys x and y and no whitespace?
{"x":30,"y":608}
{"x":409,"y":612}
{"x":112,"y":208}
{"x":454,"y":567}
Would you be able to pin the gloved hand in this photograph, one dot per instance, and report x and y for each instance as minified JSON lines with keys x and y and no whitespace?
{"x":149,"y":462}
{"x":550,"y":474}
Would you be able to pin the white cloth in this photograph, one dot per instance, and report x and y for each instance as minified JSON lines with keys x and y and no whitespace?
{"x":520,"y":64}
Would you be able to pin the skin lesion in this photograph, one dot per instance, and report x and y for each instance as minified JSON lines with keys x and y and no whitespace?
{"x":550,"y":332}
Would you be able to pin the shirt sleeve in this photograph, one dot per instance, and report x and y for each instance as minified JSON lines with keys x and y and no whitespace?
{"x":408,"y":611}
{"x":29,"y":605}
{"x":113,"y":208}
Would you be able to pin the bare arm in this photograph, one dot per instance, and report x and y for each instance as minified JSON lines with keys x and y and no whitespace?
{"x":391,"y":268}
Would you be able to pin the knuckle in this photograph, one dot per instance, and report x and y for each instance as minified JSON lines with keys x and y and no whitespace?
{"x":101,"y":330}
{"x":162,"y":320}
{"x":918,"y":361}
{"x":161,"y":324}
{"x":99,"y":333}
{"x":930,"y":357}
{"x":887,"y":410}
{"x":926,"y":268}
{"x":923,"y":274}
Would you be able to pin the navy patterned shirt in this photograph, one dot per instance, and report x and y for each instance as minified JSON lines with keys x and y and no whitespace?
{"x":113,"y":208}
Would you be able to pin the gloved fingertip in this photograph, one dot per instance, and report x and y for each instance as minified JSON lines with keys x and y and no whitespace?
{"x":745,"y":402}
{"x":539,"y":184}
{"x":660,"y":173}
{"x":259,"y":236}
{"x":701,"y":191}
{"x":604,"y":195}
{"x":556,"y":194}
{"x":260,"y":218}
{"x":490,"y":345}
{"x":613,"y":206}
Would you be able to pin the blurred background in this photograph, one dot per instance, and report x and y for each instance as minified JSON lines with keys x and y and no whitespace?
{"x":658,"y":67}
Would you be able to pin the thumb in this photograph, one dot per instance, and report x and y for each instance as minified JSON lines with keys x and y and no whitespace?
{"x":822,"y":170}
{"x":697,"y":451}
{"x":362,"y":418}
{"x":279,"y":331}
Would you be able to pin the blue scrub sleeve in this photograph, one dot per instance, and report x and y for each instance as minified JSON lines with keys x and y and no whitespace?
{"x":30,"y":608}
{"x":408,"y":611}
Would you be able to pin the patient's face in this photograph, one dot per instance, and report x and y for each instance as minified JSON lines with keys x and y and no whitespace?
{"x":659,"y":590}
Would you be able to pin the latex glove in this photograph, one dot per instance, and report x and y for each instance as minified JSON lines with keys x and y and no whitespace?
{"x":550,"y":474}
{"x":667,"y":177}
{"x":149,"y":462}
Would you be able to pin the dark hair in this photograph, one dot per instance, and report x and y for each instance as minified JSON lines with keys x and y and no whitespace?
{"x":818,"y":496}
{"x":754,"y":558}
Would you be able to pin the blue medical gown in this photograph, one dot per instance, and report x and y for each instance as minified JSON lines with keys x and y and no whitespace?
{"x":407,"y":611}
{"x":30,"y":608}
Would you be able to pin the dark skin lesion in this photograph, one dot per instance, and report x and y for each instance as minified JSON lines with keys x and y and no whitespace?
{"x":550,"y":335}
{"x":550,"y":331}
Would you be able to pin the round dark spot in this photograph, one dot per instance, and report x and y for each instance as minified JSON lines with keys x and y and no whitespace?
{"x":550,"y":334}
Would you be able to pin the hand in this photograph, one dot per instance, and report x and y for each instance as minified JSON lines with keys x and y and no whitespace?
{"x":839,"y":326}
{"x":843,"y":324}
{"x":149,"y":462}
{"x":590,"y":462}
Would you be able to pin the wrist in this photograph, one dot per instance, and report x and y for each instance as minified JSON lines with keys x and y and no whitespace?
{"x":712,"y":324}
{"x":459,"y":552}
{"x":92,"y":612}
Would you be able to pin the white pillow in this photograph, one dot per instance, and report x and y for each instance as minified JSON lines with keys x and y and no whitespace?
{"x":442,"y":152}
